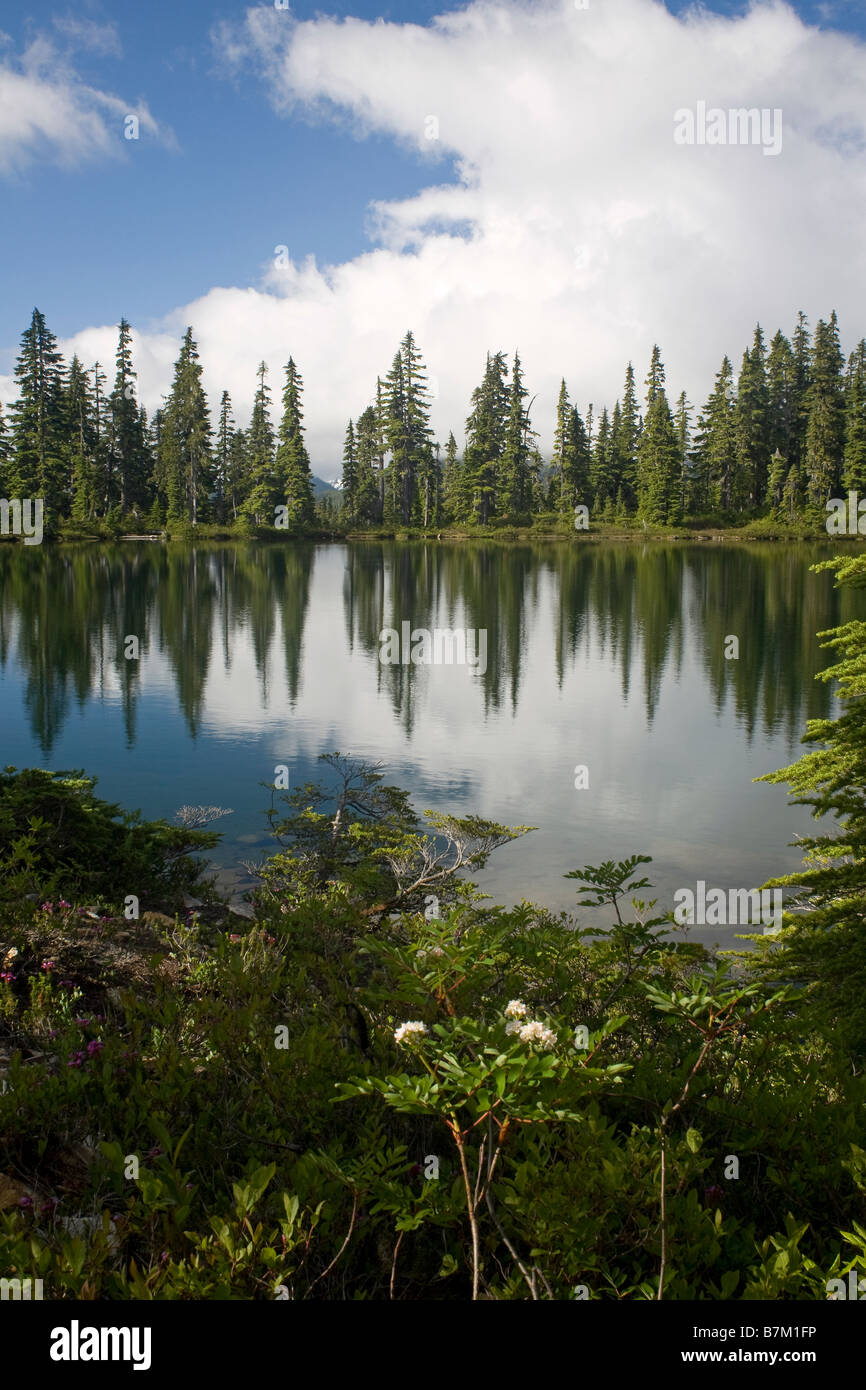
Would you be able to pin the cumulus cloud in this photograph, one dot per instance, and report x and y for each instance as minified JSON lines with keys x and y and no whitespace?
{"x":560,"y":216}
{"x":48,"y":113}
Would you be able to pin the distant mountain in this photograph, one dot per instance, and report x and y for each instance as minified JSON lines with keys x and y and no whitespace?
{"x":323,"y":489}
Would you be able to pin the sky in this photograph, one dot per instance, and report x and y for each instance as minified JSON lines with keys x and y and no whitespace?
{"x":498,"y":175}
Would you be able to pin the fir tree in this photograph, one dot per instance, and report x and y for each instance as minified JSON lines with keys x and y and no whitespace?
{"x":263,"y":493}
{"x":752,"y":426}
{"x":185,"y":439}
{"x":350,"y":474}
{"x":368,"y":472}
{"x":293,"y":461}
{"x":854,"y":474}
{"x":127,"y":457}
{"x":514,"y":484}
{"x":659,"y":467}
{"x":626,"y":433}
{"x":486,"y":430}
{"x":825,"y":431}
{"x":38,"y":468}
{"x":223,"y":457}
{"x":81,"y":443}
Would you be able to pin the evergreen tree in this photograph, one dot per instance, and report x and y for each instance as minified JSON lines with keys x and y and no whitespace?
{"x":127,"y":456}
{"x":576,"y":483}
{"x":263,"y":493}
{"x":752,"y":426}
{"x":514,"y":483}
{"x":486,"y":431}
{"x":350,"y":474}
{"x":717,"y":478}
{"x":682,"y":420}
{"x":80,"y":430}
{"x":854,"y":475}
{"x":626,"y":433}
{"x":801,"y":344}
{"x":293,"y":462}
{"x":238,"y":485}
{"x":408,"y":433}
{"x":782,"y":398}
{"x":184,"y":468}
{"x":659,"y":467}
{"x":223,"y":457}
{"x":38,"y":468}
{"x":603,"y":475}
{"x":825,"y":431}
{"x":456,"y":503}
{"x":368,"y":472}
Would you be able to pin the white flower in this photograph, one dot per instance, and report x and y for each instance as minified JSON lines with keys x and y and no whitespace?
{"x":514,"y":1026}
{"x":422,"y":954}
{"x":408,"y":1030}
{"x":437,"y":951}
{"x":536,"y":1032}
{"x":515,"y":1008}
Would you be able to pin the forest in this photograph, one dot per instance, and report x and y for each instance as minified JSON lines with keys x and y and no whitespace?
{"x":776,"y":441}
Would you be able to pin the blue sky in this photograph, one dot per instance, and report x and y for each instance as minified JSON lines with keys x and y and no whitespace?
{"x":143,"y":228}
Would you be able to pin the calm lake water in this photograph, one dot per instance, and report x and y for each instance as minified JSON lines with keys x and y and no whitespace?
{"x":609,"y":655}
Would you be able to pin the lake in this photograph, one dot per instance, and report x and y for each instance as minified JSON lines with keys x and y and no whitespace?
{"x":607,"y":655}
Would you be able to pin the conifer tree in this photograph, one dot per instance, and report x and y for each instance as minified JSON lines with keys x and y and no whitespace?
{"x":513,"y":485}
{"x":37,"y":467}
{"x":223,"y":457}
{"x":455,"y":503}
{"x":80,"y":428}
{"x":368,"y":472}
{"x":263,"y":493}
{"x":626,"y":433}
{"x":293,"y":462}
{"x":801,"y":344}
{"x":659,"y":466}
{"x":603,"y":476}
{"x":350,"y":473}
{"x":185,"y":439}
{"x":781,"y":397}
{"x":716,"y":459}
{"x":752,"y":426}
{"x":825,"y":431}
{"x":127,"y":457}
{"x":854,"y":475}
{"x":682,"y":419}
{"x":486,"y":430}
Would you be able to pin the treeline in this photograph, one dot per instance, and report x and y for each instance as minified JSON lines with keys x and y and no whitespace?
{"x":781,"y":439}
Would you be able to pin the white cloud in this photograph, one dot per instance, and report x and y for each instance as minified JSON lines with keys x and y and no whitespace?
{"x":576,"y":230}
{"x":48,"y":113}
{"x":102,"y":39}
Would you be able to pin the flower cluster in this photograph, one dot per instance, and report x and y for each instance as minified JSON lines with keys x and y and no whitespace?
{"x":527,"y":1030}
{"x":409,"y":1030}
{"x":515,"y":1008}
{"x":537,"y":1032}
{"x":93,"y":1049}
